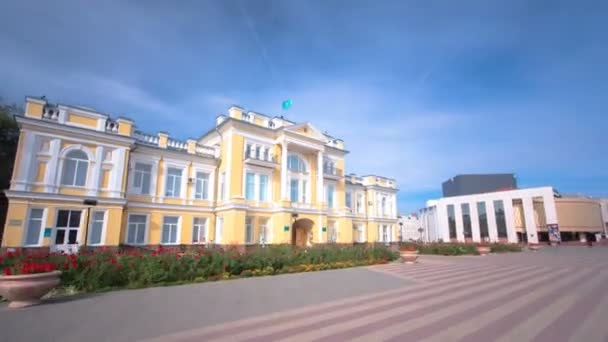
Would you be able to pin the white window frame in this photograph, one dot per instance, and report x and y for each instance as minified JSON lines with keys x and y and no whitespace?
{"x":267,"y":228}
{"x":104,"y":226}
{"x":135,"y":158}
{"x":42,"y":226}
{"x":89,"y":163}
{"x":177,"y":233}
{"x":146,"y":229}
{"x":249,"y":225}
{"x":204,"y":195}
{"x":205,"y":226}
{"x":138,"y":190}
{"x":182,"y":184}
{"x":256,"y":183}
{"x":67,"y":228}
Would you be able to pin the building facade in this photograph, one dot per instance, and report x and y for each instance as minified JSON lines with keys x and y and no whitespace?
{"x":514,"y":216}
{"x":83,"y":178}
{"x":478,"y":183}
{"x":410,"y":228}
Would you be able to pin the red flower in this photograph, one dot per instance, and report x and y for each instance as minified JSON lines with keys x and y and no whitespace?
{"x":6,"y":271}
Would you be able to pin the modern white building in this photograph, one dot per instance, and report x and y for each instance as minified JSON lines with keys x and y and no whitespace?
{"x":506,"y":216}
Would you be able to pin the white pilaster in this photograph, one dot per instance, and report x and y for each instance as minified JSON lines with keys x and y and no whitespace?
{"x":531,"y":230}
{"x":51,"y":179}
{"x":28,"y":143}
{"x":320,"y":198}
{"x":284,"y":185}
{"x":510,"y":219}
{"x":491,"y":216}
{"x":474,"y":222}
{"x":459,"y":225}
{"x":550,"y":212}
{"x":117,"y":172}
{"x":443,"y":222}
{"x":95,"y":179}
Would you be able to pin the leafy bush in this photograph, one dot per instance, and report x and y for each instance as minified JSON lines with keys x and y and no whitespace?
{"x":458,"y":248}
{"x":94,"y":270}
{"x":504,"y":248}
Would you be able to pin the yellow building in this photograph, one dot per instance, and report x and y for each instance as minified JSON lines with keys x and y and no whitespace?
{"x":81,"y":177}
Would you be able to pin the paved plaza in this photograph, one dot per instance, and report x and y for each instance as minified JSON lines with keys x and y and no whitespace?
{"x":557,"y":294}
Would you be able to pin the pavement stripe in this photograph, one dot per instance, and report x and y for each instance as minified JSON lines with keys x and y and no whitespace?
{"x":303,"y":312}
{"x":436,"y":297}
{"x":594,"y":328}
{"x":442,"y":269}
{"x":537,"y":322}
{"x":564,"y":325}
{"x":381,"y":326}
{"x":504,"y":318}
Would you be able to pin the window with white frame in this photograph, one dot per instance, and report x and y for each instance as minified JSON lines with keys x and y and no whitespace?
{"x":170,"y":230}
{"x":249,"y":229}
{"x":349,"y":199}
{"x":360,"y":203}
{"x":136,"y":230}
{"x":75,"y":166}
{"x":329,"y":195}
{"x":265,"y":236}
{"x":329,"y":166}
{"x":34,"y":227}
{"x":359,"y":232}
{"x":384,"y":233}
{"x":199,"y":230}
{"x":67,"y":227}
{"x":257,"y":186}
{"x":174,"y":182}
{"x":201,"y":187}
{"x":96,"y":229}
{"x":295,"y":163}
{"x":142,"y":176}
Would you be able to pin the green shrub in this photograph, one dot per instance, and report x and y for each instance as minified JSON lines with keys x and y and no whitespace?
{"x":504,"y":248}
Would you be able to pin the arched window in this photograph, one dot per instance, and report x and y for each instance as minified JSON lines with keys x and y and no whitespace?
{"x":295,"y":163}
{"x":75,"y":168}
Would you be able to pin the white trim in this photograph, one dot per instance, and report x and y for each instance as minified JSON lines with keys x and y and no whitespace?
{"x":161,"y":206}
{"x":146,"y":233}
{"x":178,"y":233}
{"x":11,"y":194}
{"x":104,"y":227}
{"x":205,"y":226}
{"x":43,"y":225}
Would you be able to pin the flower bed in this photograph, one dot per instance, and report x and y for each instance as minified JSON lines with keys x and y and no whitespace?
{"x":102,"y":269}
{"x":462,"y":248}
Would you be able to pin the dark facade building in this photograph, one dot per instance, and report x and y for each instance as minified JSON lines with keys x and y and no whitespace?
{"x":477,"y":184}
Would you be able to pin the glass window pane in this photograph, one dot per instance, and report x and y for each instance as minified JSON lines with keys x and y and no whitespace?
{"x":68,"y":172}
{"x":141,"y":233}
{"x":145,"y":185}
{"x":74,"y":219}
{"x":294,"y":190}
{"x":171,"y":219}
{"x":263,"y":188}
{"x":452,"y":221}
{"x":466,"y":220}
{"x":81,"y":173}
{"x":33,"y":227}
{"x":137,"y":179}
{"x":62,"y":218}
{"x":250,"y":186}
{"x":165,"y":237}
{"x":59,"y":236}
{"x":72,"y":236}
{"x":131,"y":233}
{"x":173,"y":234}
{"x":483,"y":219}
{"x":501,"y":223}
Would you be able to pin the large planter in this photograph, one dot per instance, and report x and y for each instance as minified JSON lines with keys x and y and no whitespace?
{"x":483,"y":250}
{"x":409,"y":257}
{"x":27,"y":289}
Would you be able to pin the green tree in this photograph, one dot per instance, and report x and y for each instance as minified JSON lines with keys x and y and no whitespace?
{"x":9,"y":137}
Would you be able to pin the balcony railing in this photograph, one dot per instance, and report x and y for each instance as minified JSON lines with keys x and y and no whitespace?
{"x":332,"y":172}
{"x":266,"y":157}
{"x":111,"y":126}
{"x":201,"y":149}
{"x":145,"y":138}
{"x":177,"y":145}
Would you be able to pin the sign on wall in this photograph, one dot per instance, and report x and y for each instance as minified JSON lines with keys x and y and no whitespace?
{"x":554,"y":235}
{"x":286,"y":228}
{"x":48,"y":232}
{"x":15,"y":222}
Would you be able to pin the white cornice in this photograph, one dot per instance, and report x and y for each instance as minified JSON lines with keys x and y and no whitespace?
{"x":164,"y":206}
{"x":41,"y":196}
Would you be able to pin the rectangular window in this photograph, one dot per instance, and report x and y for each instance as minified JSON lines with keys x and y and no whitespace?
{"x":466,"y":220}
{"x":264,"y":231}
{"x":349,"y":200}
{"x":250,"y":186}
{"x":170,"y":228}
{"x":294,"y":190}
{"x":142,"y":174}
{"x":136,"y":232}
{"x":68,"y":223}
{"x":360,"y":203}
{"x":34,"y":226}
{"x":96,"y":229}
{"x":199,"y":230}
{"x":263,"y":188}
{"x":247,"y":150}
{"x":174,"y":182}
{"x":248,"y":230}
{"x":452,"y":221}
{"x":501,"y":223}
{"x":222,"y":194}
{"x":202,"y":186}
{"x":483,"y":220}
{"x":330,"y":195}
{"x":219,"y":229}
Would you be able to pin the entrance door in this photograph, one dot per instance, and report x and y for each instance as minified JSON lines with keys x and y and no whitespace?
{"x":66,"y":231}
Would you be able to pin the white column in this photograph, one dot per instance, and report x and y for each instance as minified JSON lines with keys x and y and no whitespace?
{"x":118,"y":169}
{"x":22,"y":176}
{"x":510,"y":219}
{"x":443,"y":223}
{"x":475,"y":222}
{"x":459,"y":226}
{"x":320,"y":199}
{"x":531,"y":230}
{"x":491,"y":216}
{"x":394,"y":202}
{"x":550,"y":212}
{"x":95,"y":172}
{"x":284,"y":171}
{"x":50,"y":178}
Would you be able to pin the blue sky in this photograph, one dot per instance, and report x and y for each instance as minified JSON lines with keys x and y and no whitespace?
{"x":419,"y":90}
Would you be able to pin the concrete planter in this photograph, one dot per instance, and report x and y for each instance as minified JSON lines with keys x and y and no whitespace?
{"x":27,"y":289}
{"x":409,"y":257}
{"x":534,"y":248}
{"x":483,"y":250}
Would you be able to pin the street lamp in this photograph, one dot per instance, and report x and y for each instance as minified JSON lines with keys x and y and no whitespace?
{"x":89,"y":203}
{"x":420,"y":230}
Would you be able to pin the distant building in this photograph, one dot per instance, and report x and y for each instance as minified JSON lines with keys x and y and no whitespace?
{"x":409,"y":225}
{"x":478,"y":183}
